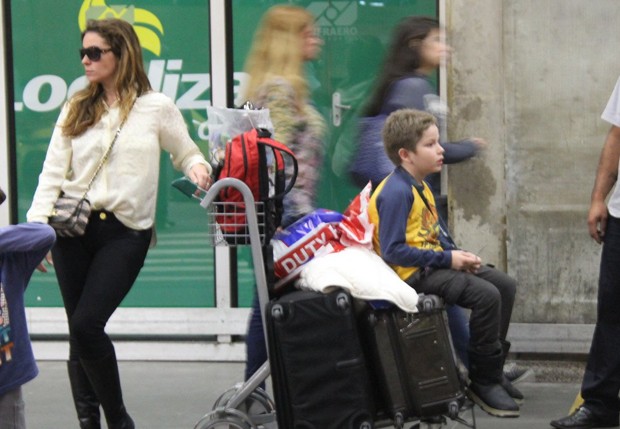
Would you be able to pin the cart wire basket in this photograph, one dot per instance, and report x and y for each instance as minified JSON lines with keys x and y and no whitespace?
{"x":237,"y":232}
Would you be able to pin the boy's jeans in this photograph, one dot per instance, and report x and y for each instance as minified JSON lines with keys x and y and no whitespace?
{"x":489,"y":294}
{"x":12,"y":410}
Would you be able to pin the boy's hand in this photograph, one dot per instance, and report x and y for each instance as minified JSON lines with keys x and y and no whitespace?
{"x":48,"y":258}
{"x":465,"y":261}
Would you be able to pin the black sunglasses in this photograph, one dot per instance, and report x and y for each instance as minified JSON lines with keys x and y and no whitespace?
{"x":93,"y":53}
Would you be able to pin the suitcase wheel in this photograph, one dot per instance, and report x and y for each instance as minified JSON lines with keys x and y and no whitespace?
{"x":429,"y":302}
{"x":342,"y":300}
{"x":399,"y":421}
{"x":277,"y":312}
{"x":453,"y":410}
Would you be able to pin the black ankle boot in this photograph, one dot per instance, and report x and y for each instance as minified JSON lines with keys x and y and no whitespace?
{"x":103,"y":375}
{"x":506,"y":384}
{"x":514,"y":393}
{"x":493,"y":399}
{"x":486,"y":390}
{"x":84,"y":397}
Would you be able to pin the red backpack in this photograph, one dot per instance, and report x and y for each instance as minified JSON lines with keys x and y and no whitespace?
{"x":259,"y":161}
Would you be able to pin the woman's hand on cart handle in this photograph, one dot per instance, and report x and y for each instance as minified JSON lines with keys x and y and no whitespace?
{"x":200,"y":175}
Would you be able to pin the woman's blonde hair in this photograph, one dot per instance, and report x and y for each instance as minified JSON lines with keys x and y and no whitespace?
{"x":87,"y":105}
{"x":277,"y":50}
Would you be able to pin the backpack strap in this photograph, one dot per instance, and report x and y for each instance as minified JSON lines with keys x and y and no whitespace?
{"x":277,"y":148}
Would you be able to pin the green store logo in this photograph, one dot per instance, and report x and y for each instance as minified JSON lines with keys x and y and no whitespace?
{"x":141,"y":19}
{"x":335,"y":18}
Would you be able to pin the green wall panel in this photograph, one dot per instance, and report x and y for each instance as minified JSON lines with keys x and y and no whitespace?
{"x":179,"y":271}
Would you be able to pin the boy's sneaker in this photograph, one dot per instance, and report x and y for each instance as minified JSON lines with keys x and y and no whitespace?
{"x":516,"y":374}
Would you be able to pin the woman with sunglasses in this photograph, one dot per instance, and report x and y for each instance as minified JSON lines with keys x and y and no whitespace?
{"x":95,"y":271}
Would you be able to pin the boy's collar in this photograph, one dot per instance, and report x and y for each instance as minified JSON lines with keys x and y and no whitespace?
{"x":410,"y":178}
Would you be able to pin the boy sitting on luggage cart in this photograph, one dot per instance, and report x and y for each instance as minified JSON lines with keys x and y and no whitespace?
{"x":409,"y":236}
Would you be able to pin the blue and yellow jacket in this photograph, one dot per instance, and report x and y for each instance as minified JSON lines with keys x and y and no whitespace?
{"x":407,"y":234}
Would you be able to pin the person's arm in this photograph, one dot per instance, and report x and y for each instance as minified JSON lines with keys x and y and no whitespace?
{"x":184,"y":153}
{"x":55,"y":167}
{"x":412,"y":93}
{"x":407,"y":93}
{"x":30,"y":240}
{"x":279,"y":97}
{"x":459,"y":151}
{"x":606,"y":177}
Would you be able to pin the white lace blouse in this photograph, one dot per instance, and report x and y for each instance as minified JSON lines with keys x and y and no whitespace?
{"x":127,"y":183}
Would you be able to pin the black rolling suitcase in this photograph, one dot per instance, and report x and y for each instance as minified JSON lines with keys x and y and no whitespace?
{"x":318,"y":369}
{"x":412,"y":361}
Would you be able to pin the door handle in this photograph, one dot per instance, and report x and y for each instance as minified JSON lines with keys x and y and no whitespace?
{"x":337,"y":109}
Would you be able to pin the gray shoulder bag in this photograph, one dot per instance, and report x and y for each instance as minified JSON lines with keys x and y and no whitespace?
{"x":70,"y":215}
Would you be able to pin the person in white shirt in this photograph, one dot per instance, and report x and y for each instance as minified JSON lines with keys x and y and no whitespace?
{"x":95,"y":271}
{"x":601,"y":381}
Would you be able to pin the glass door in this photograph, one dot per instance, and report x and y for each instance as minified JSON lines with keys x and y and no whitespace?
{"x":355,"y":35}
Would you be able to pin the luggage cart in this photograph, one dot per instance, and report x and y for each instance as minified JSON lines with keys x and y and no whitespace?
{"x":246,"y":405}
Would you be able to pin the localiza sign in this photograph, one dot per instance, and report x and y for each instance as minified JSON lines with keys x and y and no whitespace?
{"x":47,"y":92}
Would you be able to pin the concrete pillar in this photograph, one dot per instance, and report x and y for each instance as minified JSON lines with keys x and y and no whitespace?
{"x":532,"y":77}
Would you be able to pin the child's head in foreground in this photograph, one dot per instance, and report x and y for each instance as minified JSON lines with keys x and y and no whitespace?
{"x":409,"y":134}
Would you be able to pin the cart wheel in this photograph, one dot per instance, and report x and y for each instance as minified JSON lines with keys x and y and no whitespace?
{"x":224,"y":419}
{"x":258,"y":407}
{"x":224,"y":397}
{"x":258,"y":402}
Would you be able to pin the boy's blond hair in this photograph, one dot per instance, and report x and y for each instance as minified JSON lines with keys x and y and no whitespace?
{"x":404,"y":129}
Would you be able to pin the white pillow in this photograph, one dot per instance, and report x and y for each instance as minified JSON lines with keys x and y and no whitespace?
{"x":362,"y":272}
